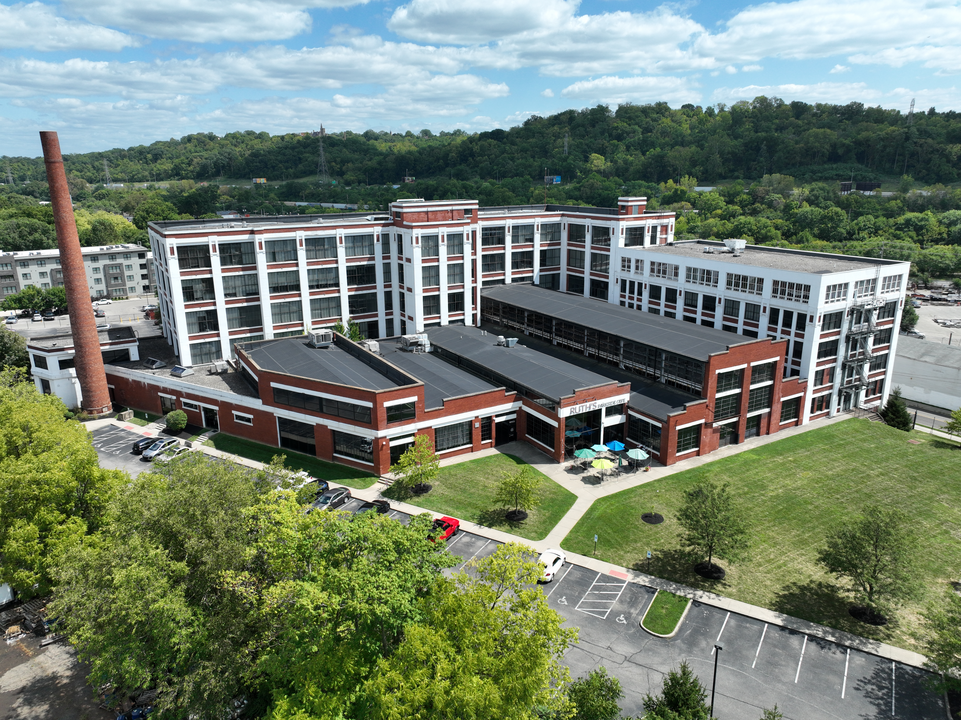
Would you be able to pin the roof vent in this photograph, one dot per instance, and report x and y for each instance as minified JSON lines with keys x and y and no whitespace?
{"x":320,"y":338}
{"x":501,"y":340}
{"x":371,"y":345}
{"x":735,"y":246}
{"x":415,"y":343}
{"x":510,"y":342}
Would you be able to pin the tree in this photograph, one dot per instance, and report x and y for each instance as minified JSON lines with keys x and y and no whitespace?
{"x":953,"y":425}
{"x":876,"y":554}
{"x":712,"y":525}
{"x":176,"y":420}
{"x":595,"y":697}
{"x":152,"y":209}
{"x":490,"y":648}
{"x":351,"y":331}
{"x":895,"y":412}
{"x":943,"y":642}
{"x":57,"y":298}
{"x":909,"y":316}
{"x":417,"y":466}
{"x":13,"y":350}
{"x":519,"y":488}
{"x":682,"y":697}
{"x":30,"y":298}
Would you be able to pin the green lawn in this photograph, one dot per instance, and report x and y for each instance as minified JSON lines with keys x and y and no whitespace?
{"x":465,"y":491}
{"x":142,"y":418}
{"x":331,"y":472}
{"x":792,"y":493}
{"x":665,"y":612}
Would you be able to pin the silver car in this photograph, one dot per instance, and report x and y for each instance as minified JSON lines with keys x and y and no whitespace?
{"x":158,"y":447}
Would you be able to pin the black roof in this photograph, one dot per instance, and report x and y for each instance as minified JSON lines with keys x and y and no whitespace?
{"x":688,"y":339}
{"x":547,"y":376}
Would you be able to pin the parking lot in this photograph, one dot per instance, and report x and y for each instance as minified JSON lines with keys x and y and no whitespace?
{"x":759,"y":665}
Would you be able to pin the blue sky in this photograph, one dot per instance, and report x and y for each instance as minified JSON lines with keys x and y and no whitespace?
{"x":117,"y":73}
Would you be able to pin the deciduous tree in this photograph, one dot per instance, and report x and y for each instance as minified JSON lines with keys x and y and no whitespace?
{"x":943,"y":642}
{"x":596,"y":696}
{"x":712,"y":522}
{"x":417,"y":466}
{"x":519,"y":489}
{"x":13,"y":350}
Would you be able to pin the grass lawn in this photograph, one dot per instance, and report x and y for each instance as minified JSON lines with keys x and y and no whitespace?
{"x":331,"y":472}
{"x":665,"y":612}
{"x":141,"y":418}
{"x":465,"y":491}
{"x":793,"y":493}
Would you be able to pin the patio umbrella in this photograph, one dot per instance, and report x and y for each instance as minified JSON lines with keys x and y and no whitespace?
{"x":599,"y":448}
{"x":585,"y":454}
{"x":615,"y":445}
{"x":603,"y":464}
{"x":573,"y":433}
{"x":636,"y":454}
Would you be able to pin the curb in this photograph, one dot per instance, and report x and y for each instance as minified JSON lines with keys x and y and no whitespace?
{"x":679,"y":620}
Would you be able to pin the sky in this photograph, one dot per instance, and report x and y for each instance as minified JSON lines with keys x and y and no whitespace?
{"x":120,"y":73}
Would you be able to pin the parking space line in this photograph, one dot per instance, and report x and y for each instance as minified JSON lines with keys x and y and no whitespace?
{"x":558,"y":581}
{"x":798,"y":673}
{"x":892,"y":687}
{"x":474,"y":555}
{"x":724,"y":625}
{"x":451,"y":543}
{"x":758,"y":652}
{"x":844,"y":685}
{"x":594,"y":611}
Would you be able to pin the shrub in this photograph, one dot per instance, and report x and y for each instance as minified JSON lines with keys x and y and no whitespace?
{"x":176,"y":420}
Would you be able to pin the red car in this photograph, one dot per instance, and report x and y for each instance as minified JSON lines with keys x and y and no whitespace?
{"x":444,"y":528}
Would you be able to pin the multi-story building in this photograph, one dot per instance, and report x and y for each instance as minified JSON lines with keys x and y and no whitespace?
{"x":112,"y":271}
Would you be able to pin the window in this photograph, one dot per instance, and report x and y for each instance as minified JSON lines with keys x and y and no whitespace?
{"x":664,"y":270}
{"x":455,"y":302}
{"x":550,"y":232}
{"x":195,"y":289}
{"x":824,"y":376}
{"x":401,"y":412}
{"x":575,"y":284}
{"x":832,"y":321}
{"x":708,"y":303}
{"x":795,"y":292}
{"x":281,"y":250}
{"x":646,"y":433}
{"x":889,"y":310}
{"x":654,"y":292}
{"x":879,"y":362}
{"x":759,"y":398}
{"x":575,"y":259}
{"x":763,"y":373}
{"x":493,"y":262}
{"x":455,"y":244}
{"x":202,"y":322}
{"x":625,"y":264}
{"x":891,"y":283}
{"x":802,"y":322}
{"x":730,"y":380}
{"x":431,"y":305}
{"x":362,"y":303}
{"x":430,"y":246}
{"x":732,"y":307}
{"x":320,"y":248}
{"x":431,"y":275}
{"x":98,"y":281}
{"x":787,"y":320}
{"x":836,"y":293}
{"x":286,"y":312}
{"x":828,"y":348}
{"x":522,"y":260}
{"x":522,"y":234}
{"x":790,"y":409}
{"x":325,"y":307}
{"x":491,"y":236}
{"x":455,"y":274}
{"x":639,"y":267}
{"x":634,"y":236}
{"x":97,"y":270}
{"x":487,"y":425}
{"x":690,"y":300}
{"x":670,"y":296}
{"x":865,"y":288}
{"x":601,"y":236}
{"x":798,"y":351}
{"x":549,"y":282}
{"x":820,"y":403}
{"x":700,"y":276}
{"x":322,"y":278}
{"x":883,"y":337}
{"x":576,"y":233}
{"x":205,"y":352}
{"x":354,"y":446}
{"x":240,"y":285}
{"x":452,"y":436}
{"x":540,"y":431}
{"x":599,"y":289}
{"x":388,"y":303}
{"x":727,"y":406}
{"x":361,"y":275}
{"x":240,"y":316}
{"x":400,"y":272}
{"x":282,"y":282}
{"x":40,"y":361}
{"x":359,"y":245}
{"x":386,"y":271}
{"x":600,"y":262}
{"x":327,"y":406}
{"x":688,"y":438}
{"x":551,"y":257}
{"x":243,"y":419}
{"x":745,"y":284}
{"x":752,"y":312}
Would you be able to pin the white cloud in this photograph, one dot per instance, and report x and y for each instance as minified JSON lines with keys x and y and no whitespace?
{"x":36,"y":26}
{"x":752,"y":68}
{"x":730,"y":70}
{"x":618,"y":90}
{"x":472,"y":22}
{"x":837,"y":69}
{"x":946,"y":60}
{"x":825,"y":92}
{"x":547,"y":93}
{"x":206,"y":22}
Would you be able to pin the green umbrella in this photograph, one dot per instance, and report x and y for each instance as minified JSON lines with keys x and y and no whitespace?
{"x":585,"y":453}
{"x":636,"y":454}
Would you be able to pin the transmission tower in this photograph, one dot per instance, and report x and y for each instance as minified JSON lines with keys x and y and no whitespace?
{"x":323,"y":177}
{"x":106,"y":174}
{"x":911,"y":113}
{"x":9,"y":175}
{"x":566,"y":138}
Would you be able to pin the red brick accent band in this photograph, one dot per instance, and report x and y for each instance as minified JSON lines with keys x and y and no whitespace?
{"x":88,"y":360}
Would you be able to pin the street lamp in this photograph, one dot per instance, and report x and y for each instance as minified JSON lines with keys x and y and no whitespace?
{"x":717,"y":651}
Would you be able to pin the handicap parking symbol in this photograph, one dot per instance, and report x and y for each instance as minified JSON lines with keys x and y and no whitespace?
{"x":562,"y":601}
{"x":621,"y":619}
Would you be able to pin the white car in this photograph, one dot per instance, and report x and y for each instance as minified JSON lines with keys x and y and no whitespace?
{"x":105,"y":301}
{"x":551,"y":560}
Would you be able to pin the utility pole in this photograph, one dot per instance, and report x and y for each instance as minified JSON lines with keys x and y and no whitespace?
{"x":322,"y":175}
{"x":106,"y":174}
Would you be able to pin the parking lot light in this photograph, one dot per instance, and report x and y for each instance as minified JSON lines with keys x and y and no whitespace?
{"x":717,"y":652}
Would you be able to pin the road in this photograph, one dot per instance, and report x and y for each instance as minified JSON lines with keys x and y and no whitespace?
{"x":759,"y":666}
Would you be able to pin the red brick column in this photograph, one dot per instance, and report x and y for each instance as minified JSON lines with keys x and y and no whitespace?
{"x":83,"y":324}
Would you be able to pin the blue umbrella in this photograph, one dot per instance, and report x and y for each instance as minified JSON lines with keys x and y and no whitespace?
{"x":599,"y":448}
{"x":573,"y":433}
{"x":615,"y":445}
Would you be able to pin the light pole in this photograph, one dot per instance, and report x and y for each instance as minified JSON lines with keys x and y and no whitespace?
{"x":717,"y":651}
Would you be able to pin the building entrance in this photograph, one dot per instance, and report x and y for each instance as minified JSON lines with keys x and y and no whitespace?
{"x":210,"y":418}
{"x":506,"y":431}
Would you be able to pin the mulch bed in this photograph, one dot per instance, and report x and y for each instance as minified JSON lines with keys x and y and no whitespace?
{"x":867,"y":615}
{"x":652,"y":518}
{"x":710,"y":571}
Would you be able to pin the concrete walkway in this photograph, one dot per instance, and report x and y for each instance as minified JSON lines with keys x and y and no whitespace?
{"x":587,"y":489}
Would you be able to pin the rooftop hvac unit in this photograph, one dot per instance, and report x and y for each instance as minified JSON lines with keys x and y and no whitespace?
{"x":415,"y":343}
{"x":510,"y":342}
{"x":320,"y":338}
{"x":218,"y":367}
{"x":371,"y":345}
{"x":501,"y":340}
{"x":181,"y":371}
{"x":735,"y":246}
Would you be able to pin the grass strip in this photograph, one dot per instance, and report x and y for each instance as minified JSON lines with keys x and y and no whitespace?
{"x":665,"y":613}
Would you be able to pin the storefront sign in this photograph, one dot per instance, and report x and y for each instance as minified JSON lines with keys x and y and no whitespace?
{"x":593,"y":405}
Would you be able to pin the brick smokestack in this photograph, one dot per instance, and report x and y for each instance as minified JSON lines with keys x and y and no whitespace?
{"x":88,"y":361}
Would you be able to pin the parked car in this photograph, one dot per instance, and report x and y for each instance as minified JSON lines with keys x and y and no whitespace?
{"x":104,"y":301}
{"x":172,"y":453}
{"x":142,"y":444}
{"x":913,"y":333}
{"x":37,"y":317}
{"x":552,"y":560}
{"x":157,"y":448}
{"x":332,"y":498}
{"x":444,"y":528}
{"x":381,"y":507}
{"x":49,"y":315}
{"x":11,"y":320}
{"x":99,"y":313}
{"x":148,"y":308}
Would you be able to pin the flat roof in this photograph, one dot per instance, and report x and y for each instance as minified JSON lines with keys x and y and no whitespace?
{"x":774,"y":258}
{"x":688,"y":339}
{"x":61,"y":340}
{"x":293,"y":356}
{"x":441,"y":379}
{"x":547,"y":376}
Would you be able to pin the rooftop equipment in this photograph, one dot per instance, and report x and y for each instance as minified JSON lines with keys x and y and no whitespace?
{"x":735,"y":246}
{"x":415,"y":343}
{"x":320,"y":338}
{"x":181,"y":371}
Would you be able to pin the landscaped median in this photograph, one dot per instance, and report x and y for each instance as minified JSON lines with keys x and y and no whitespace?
{"x":466,"y":491}
{"x":792,"y":494}
{"x":664,"y":614}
